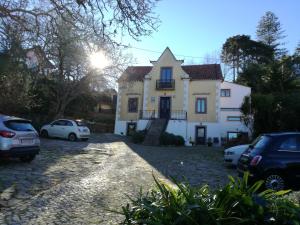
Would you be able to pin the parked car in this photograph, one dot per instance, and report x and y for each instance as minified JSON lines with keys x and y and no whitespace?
{"x":274,"y":158}
{"x":67,"y":129}
{"x":233,"y":154}
{"x":18,"y":139}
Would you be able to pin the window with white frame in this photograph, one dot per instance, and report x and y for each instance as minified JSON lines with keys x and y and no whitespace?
{"x":225,"y":92}
{"x":201,"y":105}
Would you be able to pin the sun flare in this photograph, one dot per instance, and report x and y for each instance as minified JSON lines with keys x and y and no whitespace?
{"x":99,"y":60}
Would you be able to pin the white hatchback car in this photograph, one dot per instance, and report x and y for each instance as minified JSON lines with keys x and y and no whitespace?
{"x":233,"y":154}
{"x":67,"y":129}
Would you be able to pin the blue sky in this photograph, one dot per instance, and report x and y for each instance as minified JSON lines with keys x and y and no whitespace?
{"x":198,"y":28}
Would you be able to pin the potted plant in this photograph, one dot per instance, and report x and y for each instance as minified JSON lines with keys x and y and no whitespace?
{"x":209,"y":142}
{"x":216,"y":141}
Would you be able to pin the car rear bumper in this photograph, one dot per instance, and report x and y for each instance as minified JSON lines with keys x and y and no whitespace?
{"x":20,"y":151}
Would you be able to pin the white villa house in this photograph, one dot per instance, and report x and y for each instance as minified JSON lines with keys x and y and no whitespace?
{"x":188,"y":100}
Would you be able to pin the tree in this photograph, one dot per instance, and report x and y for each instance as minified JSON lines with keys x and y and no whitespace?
{"x":15,"y":96}
{"x":105,"y":19}
{"x":239,"y":51}
{"x":270,"y":32}
{"x":254,"y":76}
{"x":297,"y":50}
{"x":65,"y":47}
{"x":264,"y":111}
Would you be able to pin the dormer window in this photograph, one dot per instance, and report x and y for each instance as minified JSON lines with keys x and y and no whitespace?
{"x":166,"y":74}
{"x":165,"y":81}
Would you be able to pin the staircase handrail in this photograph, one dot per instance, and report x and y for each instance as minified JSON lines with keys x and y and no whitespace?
{"x":150,"y":121}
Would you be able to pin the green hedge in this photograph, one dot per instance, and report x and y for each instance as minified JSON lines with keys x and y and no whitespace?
{"x":236,"y":203}
{"x":138,"y":136}
{"x":171,"y":139}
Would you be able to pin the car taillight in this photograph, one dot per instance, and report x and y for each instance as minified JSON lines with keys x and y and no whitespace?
{"x":7,"y":134}
{"x":255,"y":160}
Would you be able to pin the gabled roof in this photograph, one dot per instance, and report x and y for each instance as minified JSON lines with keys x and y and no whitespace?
{"x":196,"y":72}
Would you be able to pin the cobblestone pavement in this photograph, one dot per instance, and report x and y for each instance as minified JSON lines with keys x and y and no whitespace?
{"x":79,"y":182}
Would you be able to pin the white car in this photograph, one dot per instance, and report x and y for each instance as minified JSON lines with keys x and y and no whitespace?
{"x":233,"y":154}
{"x":18,"y":139}
{"x":67,"y":129}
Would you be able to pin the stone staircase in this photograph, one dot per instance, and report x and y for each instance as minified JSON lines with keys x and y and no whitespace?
{"x":156,"y":128}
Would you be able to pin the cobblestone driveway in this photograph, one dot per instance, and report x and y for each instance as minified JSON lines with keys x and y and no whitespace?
{"x":76,"y":183}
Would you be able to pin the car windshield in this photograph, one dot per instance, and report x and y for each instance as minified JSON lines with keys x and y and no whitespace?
{"x":260,"y":143}
{"x":19,"y":125}
{"x":80,"y":123}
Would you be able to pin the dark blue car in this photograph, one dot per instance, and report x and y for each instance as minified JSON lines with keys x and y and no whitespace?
{"x":274,"y":158}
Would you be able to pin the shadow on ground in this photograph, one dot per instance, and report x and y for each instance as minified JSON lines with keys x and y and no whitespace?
{"x":198,"y":165}
{"x":58,"y":160}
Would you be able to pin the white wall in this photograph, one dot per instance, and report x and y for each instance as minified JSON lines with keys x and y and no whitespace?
{"x":212,"y":130}
{"x":237,"y":95}
{"x":141,"y":124}
{"x":178,"y":127}
{"x":226,"y":126}
{"x":120,"y":127}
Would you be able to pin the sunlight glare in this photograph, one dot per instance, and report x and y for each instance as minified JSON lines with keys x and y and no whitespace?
{"x":99,"y":60}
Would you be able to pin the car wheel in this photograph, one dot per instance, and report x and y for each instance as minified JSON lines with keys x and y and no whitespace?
{"x":274,"y":182}
{"x":44,"y":134}
{"x":27,"y":159}
{"x":72,"y":137}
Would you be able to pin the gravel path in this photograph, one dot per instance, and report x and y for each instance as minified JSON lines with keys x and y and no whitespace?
{"x":76,"y":183}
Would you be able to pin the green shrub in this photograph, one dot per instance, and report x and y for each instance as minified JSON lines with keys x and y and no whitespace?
{"x":236,"y":203}
{"x":171,"y":139}
{"x":209,"y":141}
{"x":138,"y":136}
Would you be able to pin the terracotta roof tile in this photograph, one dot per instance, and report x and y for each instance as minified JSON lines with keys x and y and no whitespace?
{"x":135,"y":73}
{"x":204,"y":72}
{"x":196,"y":72}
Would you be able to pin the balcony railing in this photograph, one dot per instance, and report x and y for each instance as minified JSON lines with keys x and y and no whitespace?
{"x":174,"y":115}
{"x":165,"y":84}
{"x":178,"y":115}
{"x":147,"y":114}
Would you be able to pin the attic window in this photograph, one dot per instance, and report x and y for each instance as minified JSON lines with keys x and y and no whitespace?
{"x":166,"y":73}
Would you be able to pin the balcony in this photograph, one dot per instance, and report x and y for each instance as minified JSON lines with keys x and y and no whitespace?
{"x":165,"y":84}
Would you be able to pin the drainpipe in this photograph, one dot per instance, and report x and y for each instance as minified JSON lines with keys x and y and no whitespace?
{"x":186,"y":127}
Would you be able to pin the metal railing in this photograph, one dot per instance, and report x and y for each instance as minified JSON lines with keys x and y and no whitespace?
{"x":165,"y":84}
{"x":147,"y":114}
{"x":178,"y":115}
{"x":174,"y":115}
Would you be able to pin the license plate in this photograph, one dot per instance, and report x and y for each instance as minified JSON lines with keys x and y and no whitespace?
{"x":85,"y":130}
{"x":26,"y":141}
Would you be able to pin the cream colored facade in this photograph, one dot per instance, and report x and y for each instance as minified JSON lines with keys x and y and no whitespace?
{"x":188,"y":86}
{"x":130,"y":90}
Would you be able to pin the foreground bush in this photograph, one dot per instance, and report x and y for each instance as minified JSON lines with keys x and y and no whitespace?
{"x":171,"y":139}
{"x":236,"y":203}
